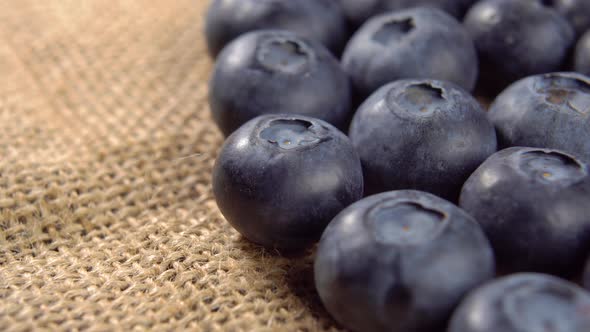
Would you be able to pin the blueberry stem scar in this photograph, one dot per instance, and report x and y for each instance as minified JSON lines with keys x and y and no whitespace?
{"x":420,"y":98}
{"x":424,"y":93}
{"x":394,"y":30}
{"x":561,"y":89}
{"x":405,"y":223}
{"x":551,"y":166}
{"x":284,"y":55}
{"x":290,"y":134}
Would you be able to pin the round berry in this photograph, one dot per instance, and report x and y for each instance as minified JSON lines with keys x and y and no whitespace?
{"x":516,"y":39}
{"x":280,"y":179}
{"x":322,"y":20}
{"x":412,"y":43}
{"x":421,"y":134}
{"x":400,"y":261}
{"x":526,"y":302}
{"x":533,"y":205}
{"x":547,"y":111}
{"x":275,"y":71}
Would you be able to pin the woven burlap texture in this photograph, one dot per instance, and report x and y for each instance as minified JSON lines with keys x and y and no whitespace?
{"x":108,"y":221}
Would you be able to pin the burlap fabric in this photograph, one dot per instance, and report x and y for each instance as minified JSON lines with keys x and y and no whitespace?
{"x":106,"y":148}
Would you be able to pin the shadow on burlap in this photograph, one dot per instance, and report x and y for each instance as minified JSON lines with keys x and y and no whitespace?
{"x":107,"y":220}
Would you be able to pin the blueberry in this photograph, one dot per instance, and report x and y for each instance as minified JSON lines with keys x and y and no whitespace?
{"x":421,"y":134}
{"x":546,"y":111}
{"x":533,"y":205}
{"x":358,"y":11}
{"x":516,"y":39}
{"x":577,"y":12}
{"x":280,"y":179}
{"x":413,"y":43}
{"x":400,"y":261}
{"x":322,"y":20}
{"x":525,"y":302}
{"x":586,"y":276}
{"x":273,"y":71}
{"x":582,"y":55}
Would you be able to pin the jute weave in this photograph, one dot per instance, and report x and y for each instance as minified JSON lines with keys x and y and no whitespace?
{"x":107,"y":220}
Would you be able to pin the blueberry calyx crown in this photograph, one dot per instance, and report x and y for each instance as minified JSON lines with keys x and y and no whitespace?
{"x":533,"y":308}
{"x":551,"y":166}
{"x":283,"y":54}
{"x":570,"y":92}
{"x":405,"y":222}
{"x":393,"y":30}
{"x":290,"y":134}
{"x":418,"y":99}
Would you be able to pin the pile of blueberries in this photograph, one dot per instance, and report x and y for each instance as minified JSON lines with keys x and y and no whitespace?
{"x":352,"y":122}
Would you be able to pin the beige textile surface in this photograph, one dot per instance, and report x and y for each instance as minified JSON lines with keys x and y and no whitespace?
{"x":105,"y":223}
